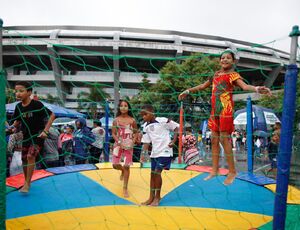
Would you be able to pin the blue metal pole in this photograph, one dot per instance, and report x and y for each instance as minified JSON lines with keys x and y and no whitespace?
{"x":249,"y":135}
{"x":285,"y":146}
{"x":106,"y":144}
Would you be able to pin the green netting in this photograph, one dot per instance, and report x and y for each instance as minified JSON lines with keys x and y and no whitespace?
{"x":173,"y":165}
{"x":92,"y":82}
{"x":10,"y":189}
{"x":2,"y":142}
{"x":292,"y":219}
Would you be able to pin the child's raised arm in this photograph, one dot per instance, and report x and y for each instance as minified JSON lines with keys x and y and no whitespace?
{"x":257,"y":89}
{"x":194,"y":89}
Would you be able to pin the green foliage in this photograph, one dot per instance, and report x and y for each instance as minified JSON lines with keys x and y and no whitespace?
{"x":90,"y":101}
{"x":175,"y":78}
{"x":52,"y":100}
{"x":144,"y":96}
{"x":193,"y":71}
{"x":239,"y":105}
{"x":275,"y":102}
{"x":10,"y":95}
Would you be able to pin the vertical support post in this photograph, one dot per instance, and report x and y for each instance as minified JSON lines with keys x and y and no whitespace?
{"x":180,"y":133}
{"x":116,"y":64}
{"x":2,"y":138}
{"x":285,"y":146}
{"x":106,"y":144}
{"x":249,"y":135}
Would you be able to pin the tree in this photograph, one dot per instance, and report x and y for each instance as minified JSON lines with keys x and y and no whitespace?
{"x":10,"y":95}
{"x":145,"y":85}
{"x":52,"y":100}
{"x":89,"y":101}
{"x":276,"y":103}
{"x":174,"y":78}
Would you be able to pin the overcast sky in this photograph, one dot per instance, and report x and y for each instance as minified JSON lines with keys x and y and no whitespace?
{"x":257,"y":21}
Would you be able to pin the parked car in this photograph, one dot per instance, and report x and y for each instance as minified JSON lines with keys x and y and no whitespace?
{"x":63,"y":121}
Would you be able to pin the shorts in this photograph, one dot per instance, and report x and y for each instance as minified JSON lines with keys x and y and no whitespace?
{"x":160,"y":163}
{"x":273,"y":160}
{"x":31,"y":151}
{"x":221,"y":124}
{"x":126,"y":153}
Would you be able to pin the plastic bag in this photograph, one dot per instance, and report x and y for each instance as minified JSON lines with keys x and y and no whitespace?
{"x":15,"y":166}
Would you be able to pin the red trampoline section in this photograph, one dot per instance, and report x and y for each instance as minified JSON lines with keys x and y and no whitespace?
{"x":17,"y":181}
{"x":207,"y":169}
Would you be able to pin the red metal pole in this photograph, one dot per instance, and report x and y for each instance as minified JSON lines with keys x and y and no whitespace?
{"x":180,"y":133}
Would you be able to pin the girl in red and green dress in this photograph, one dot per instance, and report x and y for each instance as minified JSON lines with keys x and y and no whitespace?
{"x":221,"y":116}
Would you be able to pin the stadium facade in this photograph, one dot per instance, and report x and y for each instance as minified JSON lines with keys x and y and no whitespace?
{"x":65,"y":59}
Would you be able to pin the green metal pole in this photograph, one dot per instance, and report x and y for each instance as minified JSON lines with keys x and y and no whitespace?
{"x":2,"y":139}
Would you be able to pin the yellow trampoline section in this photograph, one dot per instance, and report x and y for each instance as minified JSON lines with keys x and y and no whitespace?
{"x":293,"y":196}
{"x":139,"y":180}
{"x":139,"y":218}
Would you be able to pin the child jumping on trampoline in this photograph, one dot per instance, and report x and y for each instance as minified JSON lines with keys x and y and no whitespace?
{"x":157,"y":131}
{"x":31,"y":115}
{"x":221,"y":116}
{"x":123,"y":131}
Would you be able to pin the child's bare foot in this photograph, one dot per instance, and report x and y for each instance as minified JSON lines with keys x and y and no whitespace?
{"x":125,"y":193}
{"x":155,"y":202}
{"x":147,"y":202}
{"x":210,"y":176}
{"x":229,"y":179}
{"x":24,"y":189}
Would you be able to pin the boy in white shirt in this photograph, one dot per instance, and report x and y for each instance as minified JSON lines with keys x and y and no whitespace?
{"x":157,"y":131}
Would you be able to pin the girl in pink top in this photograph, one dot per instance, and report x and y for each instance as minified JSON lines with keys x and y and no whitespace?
{"x":123,"y":132}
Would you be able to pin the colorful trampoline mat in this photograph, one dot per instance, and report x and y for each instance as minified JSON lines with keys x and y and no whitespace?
{"x":93,"y":200}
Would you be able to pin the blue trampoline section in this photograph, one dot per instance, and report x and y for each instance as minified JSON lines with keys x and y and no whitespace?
{"x":61,"y":192}
{"x":239,"y":196}
{"x":71,"y":168}
{"x":256,"y":179}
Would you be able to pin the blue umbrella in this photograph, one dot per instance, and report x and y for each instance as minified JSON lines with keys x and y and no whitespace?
{"x":57,"y":110}
{"x":263,"y":118}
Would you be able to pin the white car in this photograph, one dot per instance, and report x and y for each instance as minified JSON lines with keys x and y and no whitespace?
{"x":63,"y":121}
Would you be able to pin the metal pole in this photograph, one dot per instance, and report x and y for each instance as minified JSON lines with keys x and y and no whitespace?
{"x":106,"y":144}
{"x":2,"y":138}
{"x":249,"y":135}
{"x":285,"y":146}
{"x":180,"y":133}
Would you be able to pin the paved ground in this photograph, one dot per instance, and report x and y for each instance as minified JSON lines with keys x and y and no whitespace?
{"x":260,"y":165}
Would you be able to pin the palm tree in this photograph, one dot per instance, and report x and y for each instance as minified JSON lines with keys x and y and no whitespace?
{"x":89,"y":101}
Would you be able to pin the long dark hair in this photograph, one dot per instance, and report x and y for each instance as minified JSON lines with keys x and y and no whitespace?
{"x":129,"y":108}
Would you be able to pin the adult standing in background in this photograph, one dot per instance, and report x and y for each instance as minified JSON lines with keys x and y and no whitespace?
{"x":82,"y":138}
{"x":97,"y":146}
